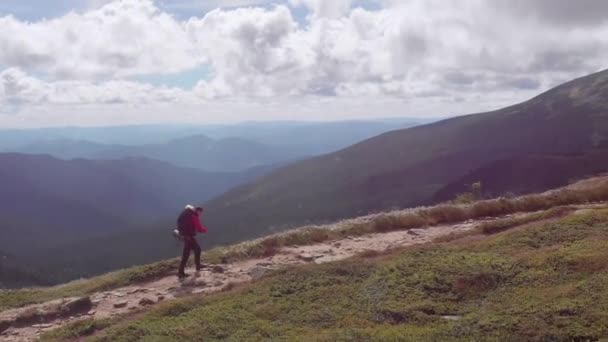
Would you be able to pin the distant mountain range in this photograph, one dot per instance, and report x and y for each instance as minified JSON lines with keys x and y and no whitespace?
{"x":198,"y":151}
{"x":559,"y":135}
{"x":221,"y":148}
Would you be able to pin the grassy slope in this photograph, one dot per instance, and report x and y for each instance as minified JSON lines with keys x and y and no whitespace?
{"x":539,"y":284}
{"x":552,"y":202}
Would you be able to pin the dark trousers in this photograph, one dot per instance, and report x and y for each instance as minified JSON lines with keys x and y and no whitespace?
{"x":190,"y":244}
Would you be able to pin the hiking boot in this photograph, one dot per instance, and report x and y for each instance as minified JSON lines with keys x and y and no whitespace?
{"x":200,"y":267}
{"x":183,"y":275}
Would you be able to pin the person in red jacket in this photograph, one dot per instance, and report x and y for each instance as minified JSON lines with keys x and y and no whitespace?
{"x":188,"y":224}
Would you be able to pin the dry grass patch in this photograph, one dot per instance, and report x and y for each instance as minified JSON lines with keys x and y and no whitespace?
{"x":500,"y":225}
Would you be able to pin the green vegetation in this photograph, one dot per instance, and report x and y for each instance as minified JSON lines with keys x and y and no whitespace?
{"x":18,"y":298}
{"x":399,"y":220}
{"x":77,"y":329}
{"x":497,"y":226}
{"x":544,"y":283}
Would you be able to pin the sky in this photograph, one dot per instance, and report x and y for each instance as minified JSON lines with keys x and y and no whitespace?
{"x":104,"y":62}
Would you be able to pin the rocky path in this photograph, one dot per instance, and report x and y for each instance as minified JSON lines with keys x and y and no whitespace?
{"x":26,"y":324}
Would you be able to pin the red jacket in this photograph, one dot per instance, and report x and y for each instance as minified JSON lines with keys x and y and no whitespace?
{"x":189,"y":223}
{"x":196,"y":223}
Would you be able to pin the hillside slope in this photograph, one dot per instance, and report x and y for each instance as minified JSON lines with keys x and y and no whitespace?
{"x":46,"y":202}
{"x":409,"y":167}
{"x":543,"y":283}
{"x":441,"y":273}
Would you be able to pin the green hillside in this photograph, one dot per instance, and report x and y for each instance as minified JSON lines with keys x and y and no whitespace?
{"x":545,"y":282}
{"x":410,"y":167}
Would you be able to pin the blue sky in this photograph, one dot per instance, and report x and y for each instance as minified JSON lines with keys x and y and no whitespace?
{"x":33,"y":10}
{"x":93,"y":62}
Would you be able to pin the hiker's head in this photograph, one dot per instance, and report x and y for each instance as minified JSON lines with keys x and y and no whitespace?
{"x":199,"y":210}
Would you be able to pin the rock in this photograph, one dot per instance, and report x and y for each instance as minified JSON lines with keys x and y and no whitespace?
{"x":306,"y":257}
{"x":146,"y":301}
{"x":91,"y":313}
{"x":452,"y":317}
{"x":122,"y":304}
{"x":337,"y":245}
{"x":198,"y":291}
{"x":229,"y":286}
{"x":76,"y":306}
{"x":264,"y":264}
{"x":217,"y":269}
{"x":161,"y":297}
{"x":319,"y":256}
{"x":5,"y":324}
{"x":259,"y":271}
{"x":118,"y":294}
{"x":412,"y":232}
{"x":218,"y":284}
{"x":137,"y":290}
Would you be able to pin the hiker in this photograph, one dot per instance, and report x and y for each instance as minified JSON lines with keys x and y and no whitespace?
{"x":188,"y":224}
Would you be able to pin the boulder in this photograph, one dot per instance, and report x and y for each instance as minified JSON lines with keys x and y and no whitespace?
{"x":76,"y":306}
{"x":306,"y":257}
{"x":217,"y":269}
{"x":5,"y":324}
{"x":146,"y":301}
{"x":121,"y":304}
{"x":137,"y":290}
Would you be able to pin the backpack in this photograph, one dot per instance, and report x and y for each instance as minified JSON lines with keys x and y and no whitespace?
{"x":183,"y":221}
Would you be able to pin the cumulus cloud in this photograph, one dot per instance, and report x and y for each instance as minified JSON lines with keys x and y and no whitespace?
{"x":122,"y":38}
{"x":427,"y":56}
{"x":18,"y":88}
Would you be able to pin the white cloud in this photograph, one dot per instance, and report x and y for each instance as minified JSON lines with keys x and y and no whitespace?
{"x":421,"y":56}
{"x":16,"y":87}
{"x":120,"y":39}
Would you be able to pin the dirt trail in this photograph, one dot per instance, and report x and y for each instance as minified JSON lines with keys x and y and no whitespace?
{"x":213,"y":278}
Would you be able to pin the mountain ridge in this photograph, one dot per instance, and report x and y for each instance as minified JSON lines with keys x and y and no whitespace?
{"x":345,"y":183}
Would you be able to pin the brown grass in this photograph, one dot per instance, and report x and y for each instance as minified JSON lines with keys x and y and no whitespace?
{"x":425,"y":217}
{"x":500,"y":225}
{"x":475,"y":285}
